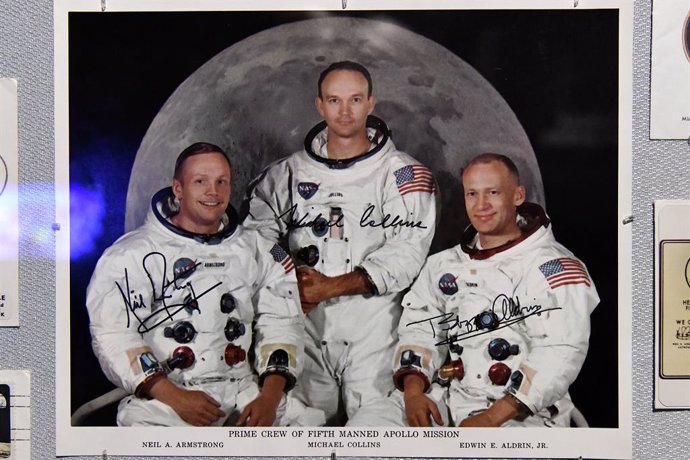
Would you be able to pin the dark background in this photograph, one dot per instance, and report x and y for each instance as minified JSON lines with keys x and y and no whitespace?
{"x":5,"y":426}
{"x":558,"y":71}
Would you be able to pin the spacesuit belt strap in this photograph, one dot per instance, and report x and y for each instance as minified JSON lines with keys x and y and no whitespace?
{"x":204,"y":380}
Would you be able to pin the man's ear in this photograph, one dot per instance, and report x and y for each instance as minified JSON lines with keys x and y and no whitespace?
{"x":372,"y":104}
{"x":177,"y":188}
{"x":520,"y":195}
{"x":318,"y":102}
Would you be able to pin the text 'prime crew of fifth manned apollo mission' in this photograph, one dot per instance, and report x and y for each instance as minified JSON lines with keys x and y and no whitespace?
{"x":342,"y":438}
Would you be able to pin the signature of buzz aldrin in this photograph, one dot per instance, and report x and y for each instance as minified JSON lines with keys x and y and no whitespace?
{"x":508,"y":311}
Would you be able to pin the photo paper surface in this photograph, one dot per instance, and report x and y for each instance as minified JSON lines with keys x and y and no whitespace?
{"x":447,"y":93}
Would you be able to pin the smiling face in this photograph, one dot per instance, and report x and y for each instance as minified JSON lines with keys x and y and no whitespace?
{"x":203,"y":191}
{"x":492,"y":195}
{"x":345,"y":104}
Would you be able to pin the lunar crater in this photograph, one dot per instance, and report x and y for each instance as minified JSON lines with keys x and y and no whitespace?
{"x":421,"y":80}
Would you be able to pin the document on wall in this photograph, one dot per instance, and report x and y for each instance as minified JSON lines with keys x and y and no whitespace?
{"x":672,"y":312}
{"x":439,"y":82}
{"x":670,"y":92}
{"x":9,"y":205}
{"x":15,"y":415}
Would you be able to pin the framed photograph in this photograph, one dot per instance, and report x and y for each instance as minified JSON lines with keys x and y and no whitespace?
{"x":546,"y":83}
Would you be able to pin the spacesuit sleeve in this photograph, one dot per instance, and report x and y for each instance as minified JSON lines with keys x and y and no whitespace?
{"x":267,"y":204}
{"x":114,"y":313}
{"x":419,"y":331}
{"x":559,"y":334}
{"x":279,"y":322}
{"x":394,"y":266}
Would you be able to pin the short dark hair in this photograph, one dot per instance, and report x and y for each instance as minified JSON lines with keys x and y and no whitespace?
{"x":485,"y":158}
{"x":346,"y":65}
{"x":197,"y":148}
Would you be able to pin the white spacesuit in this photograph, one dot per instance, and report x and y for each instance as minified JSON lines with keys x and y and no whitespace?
{"x":163,"y":300}
{"x":375,"y":212}
{"x":513,"y":319}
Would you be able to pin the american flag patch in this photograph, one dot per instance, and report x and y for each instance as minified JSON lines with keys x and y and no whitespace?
{"x":279,"y":255}
{"x":414,"y":178}
{"x":559,"y":272}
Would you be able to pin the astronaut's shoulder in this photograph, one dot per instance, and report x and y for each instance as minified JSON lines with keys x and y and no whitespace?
{"x":127,"y":252}
{"x":401,"y":165}
{"x":558,"y":266}
{"x":250,"y":243}
{"x":242,"y":242}
{"x":440,"y":261}
{"x":287,"y":163}
{"x":273,"y":175}
{"x":277,"y":167}
{"x":135,"y":241}
{"x":397,"y":159}
{"x":549,"y":251}
{"x":447,"y":255}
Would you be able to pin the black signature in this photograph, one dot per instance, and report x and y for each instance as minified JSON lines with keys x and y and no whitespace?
{"x":396,"y":221}
{"x":161,"y":292}
{"x":388,"y":221}
{"x":508,"y":311}
{"x":319,"y":220}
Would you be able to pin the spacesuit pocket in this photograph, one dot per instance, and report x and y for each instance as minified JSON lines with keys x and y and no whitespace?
{"x":280,"y":299}
{"x":336,"y":258}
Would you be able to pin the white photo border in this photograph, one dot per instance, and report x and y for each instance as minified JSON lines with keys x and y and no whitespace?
{"x":615,"y":443}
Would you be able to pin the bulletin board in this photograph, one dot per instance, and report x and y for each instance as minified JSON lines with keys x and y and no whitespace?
{"x":607,"y":208}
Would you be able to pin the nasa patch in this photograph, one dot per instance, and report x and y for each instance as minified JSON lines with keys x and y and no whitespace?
{"x":307,"y":189}
{"x":183,"y":267}
{"x":447,"y":284}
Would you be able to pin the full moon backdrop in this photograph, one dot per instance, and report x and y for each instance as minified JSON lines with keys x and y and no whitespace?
{"x":256,"y":99}
{"x":538,"y":85}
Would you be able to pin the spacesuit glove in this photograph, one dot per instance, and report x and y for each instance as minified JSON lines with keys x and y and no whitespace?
{"x":262,"y":410}
{"x":194,"y":407}
{"x":497,"y":414}
{"x":418,"y":408}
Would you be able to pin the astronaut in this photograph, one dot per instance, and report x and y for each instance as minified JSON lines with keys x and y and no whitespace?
{"x":172,"y":304}
{"x":495,"y":330}
{"x":358,"y":217}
